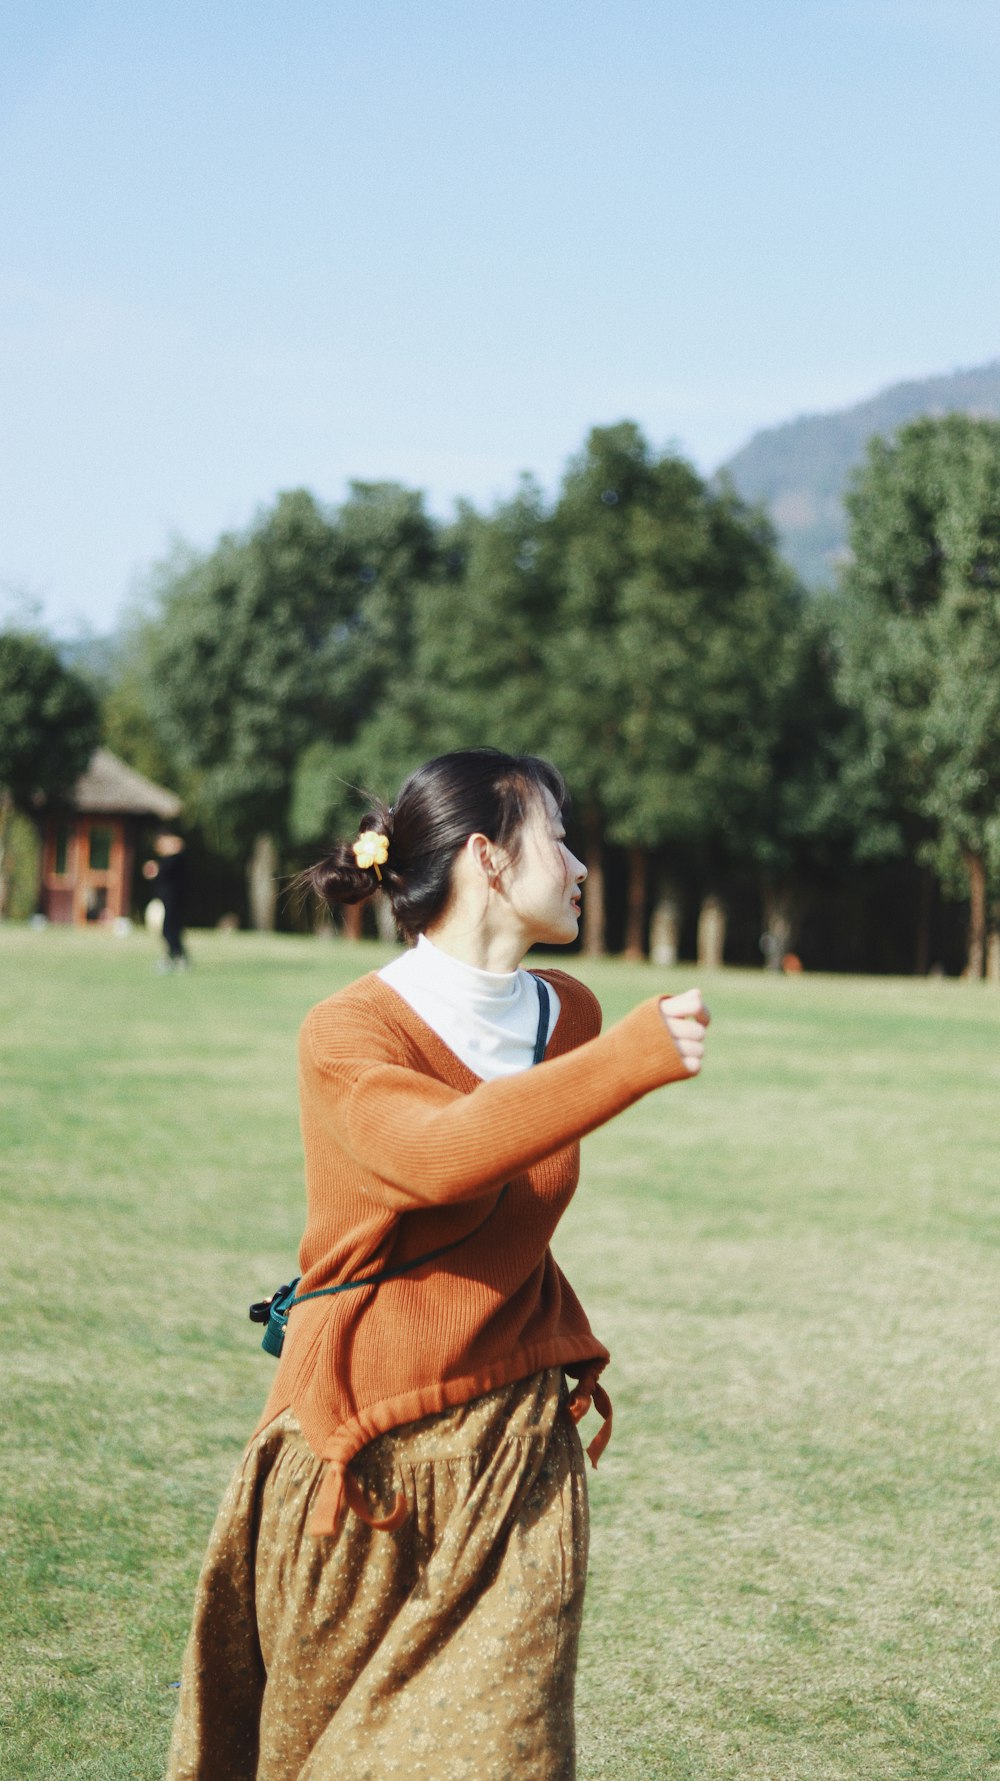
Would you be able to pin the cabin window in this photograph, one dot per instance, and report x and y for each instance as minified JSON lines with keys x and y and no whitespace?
{"x":62,"y":850}
{"x":100,"y":850}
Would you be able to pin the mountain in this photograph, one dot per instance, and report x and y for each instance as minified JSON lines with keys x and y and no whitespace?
{"x":96,"y":659}
{"x":800,"y":470}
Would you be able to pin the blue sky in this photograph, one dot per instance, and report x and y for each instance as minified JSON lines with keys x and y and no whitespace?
{"x":246,"y":247}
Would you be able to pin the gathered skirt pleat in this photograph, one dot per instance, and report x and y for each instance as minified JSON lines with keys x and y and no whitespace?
{"x":443,"y":1650}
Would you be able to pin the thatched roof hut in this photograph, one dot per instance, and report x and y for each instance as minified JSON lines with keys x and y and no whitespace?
{"x":88,"y":842}
{"x":110,"y":787}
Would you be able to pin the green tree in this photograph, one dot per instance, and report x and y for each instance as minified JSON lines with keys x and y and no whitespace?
{"x":470,"y":671}
{"x":591,"y":544}
{"x":670,"y":656}
{"x":386,"y":550}
{"x":49,"y":728}
{"x":261,"y":659}
{"x":815,"y":821}
{"x":920,"y":625}
{"x":480,"y":624}
{"x":386,"y":547}
{"x":239,"y":664}
{"x":705,"y":649}
{"x":127,"y":727}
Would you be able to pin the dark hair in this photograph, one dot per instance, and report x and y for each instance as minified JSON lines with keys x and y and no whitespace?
{"x":473,"y":791}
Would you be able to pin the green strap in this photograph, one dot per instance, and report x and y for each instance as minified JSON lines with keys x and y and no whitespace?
{"x":431,"y":1255}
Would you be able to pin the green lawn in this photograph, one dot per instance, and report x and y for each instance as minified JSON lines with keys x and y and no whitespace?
{"x":794,"y":1261}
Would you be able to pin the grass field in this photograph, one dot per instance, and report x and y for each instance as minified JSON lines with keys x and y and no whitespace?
{"x":794,"y":1261}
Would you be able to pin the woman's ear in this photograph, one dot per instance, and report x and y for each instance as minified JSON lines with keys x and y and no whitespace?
{"x":487,"y":859}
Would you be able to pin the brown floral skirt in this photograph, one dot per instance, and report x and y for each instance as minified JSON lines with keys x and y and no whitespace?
{"x":444,"y":1650}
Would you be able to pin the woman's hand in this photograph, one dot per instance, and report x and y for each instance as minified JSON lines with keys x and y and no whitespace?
{"x":685,"y":1018}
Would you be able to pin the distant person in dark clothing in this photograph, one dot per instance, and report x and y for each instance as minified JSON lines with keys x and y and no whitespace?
{"x":167,"y":873}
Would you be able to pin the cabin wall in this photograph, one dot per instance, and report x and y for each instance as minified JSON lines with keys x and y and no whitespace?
{"x":87,"y":867}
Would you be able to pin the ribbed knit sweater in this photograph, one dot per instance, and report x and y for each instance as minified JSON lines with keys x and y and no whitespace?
{"x":406,"y":1151}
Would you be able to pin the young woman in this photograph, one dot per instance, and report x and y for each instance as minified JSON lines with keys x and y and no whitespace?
{"x":394,"y":1585}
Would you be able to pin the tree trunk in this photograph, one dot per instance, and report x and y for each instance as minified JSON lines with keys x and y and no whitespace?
{"x":665,"y":926}
{"x":638,"y":879}
{"x":922,"y":956}
{"x":262,"y":884}
{"x":977,"y":914}
{"x":6,"y":818}
{"x":593,"y":890}
{"x":993,"y":954}
{"x":385,"y":921}
{"x":711,"y":933}
{"x":38,"y":823}
{"x":776,"y":905}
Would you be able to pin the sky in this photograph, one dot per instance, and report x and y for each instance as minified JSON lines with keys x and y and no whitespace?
{"x":249,"y":247}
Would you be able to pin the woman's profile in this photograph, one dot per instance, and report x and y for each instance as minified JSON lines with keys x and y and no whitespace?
{"x":394,"y":1584}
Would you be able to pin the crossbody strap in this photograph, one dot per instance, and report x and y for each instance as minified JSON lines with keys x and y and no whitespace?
{"x":542,"y":1035}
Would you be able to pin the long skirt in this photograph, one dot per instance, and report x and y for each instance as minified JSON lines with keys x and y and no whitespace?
{"x":444,"y":1650}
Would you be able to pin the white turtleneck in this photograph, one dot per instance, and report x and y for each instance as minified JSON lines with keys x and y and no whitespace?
{"x":489,"y":1019}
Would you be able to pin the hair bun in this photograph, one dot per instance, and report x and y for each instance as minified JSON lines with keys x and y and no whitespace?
{"x":340,"y":877}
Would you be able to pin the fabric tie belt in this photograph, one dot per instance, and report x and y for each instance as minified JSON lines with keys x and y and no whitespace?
{"x":340,"y":1489}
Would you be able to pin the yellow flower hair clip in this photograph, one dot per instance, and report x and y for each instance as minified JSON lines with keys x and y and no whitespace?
{"x":371,"y":849}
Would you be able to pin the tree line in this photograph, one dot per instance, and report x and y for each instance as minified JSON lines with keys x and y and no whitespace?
{"x":737,"y":749}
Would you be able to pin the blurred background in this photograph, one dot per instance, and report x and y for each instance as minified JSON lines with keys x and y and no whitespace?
{"x":615,"y":382}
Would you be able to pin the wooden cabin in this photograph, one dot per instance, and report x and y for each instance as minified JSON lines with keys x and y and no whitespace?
{"x":88,"y":842}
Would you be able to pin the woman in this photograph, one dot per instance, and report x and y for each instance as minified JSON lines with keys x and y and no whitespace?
{"x":394,"y":1584}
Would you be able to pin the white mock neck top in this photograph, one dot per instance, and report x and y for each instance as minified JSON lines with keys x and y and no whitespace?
{"x":489,"y":1019}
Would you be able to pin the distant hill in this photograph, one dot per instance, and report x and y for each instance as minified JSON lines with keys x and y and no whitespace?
{"x":799,"y":471}
{"x":95,"y":658}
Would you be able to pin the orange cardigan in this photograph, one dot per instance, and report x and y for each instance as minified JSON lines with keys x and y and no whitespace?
{"x":407,"y":1150}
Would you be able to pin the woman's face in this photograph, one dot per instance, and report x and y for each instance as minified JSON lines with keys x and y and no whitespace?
{"x":542,"y":886}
